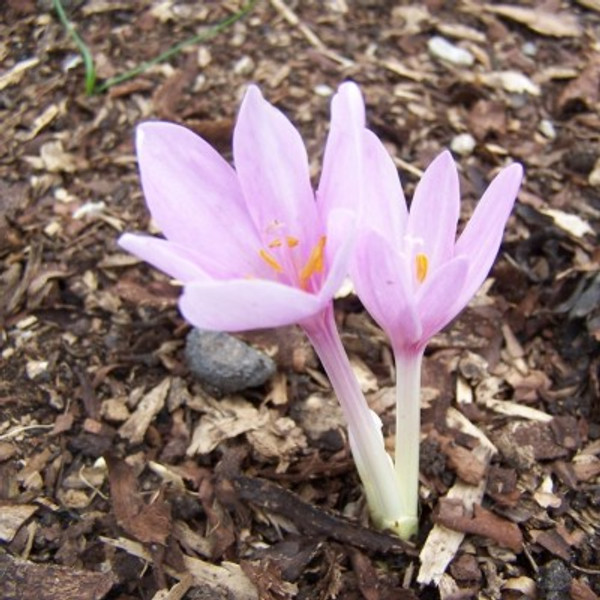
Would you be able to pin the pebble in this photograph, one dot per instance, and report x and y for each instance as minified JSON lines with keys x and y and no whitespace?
{"x":204,"y":57}
{"x":323,"y":90}
{"x":547,"y":129}
{"x":441,"y":48}
{"x":244,"y":66}
{"x":225,"y":363}
{"x":529,"y":49}
{"x":463,"y":144}
{"x":115,"y":410}
{"x":554,"y":581}
{"x":36,"y":368}
{"x":594,"y":176}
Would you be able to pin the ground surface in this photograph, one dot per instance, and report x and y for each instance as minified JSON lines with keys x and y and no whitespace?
{"x":243,"y":496}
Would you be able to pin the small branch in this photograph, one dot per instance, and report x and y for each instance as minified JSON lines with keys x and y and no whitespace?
{"x":292,"y":18}
{"x":315,"y":521}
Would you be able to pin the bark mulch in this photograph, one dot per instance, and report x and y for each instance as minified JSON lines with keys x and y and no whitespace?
{"x":123,"y":477}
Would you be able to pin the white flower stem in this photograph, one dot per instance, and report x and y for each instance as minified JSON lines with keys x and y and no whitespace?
{"x":374,"y":464}
{"x":408,"y":429}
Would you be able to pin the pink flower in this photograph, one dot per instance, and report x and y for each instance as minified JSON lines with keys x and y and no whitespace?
{"x":252,"y":246}
{"x":410,"y":271}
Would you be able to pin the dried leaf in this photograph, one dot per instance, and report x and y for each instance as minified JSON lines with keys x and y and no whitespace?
{"x":583,"y":92}
{"x":148,"y":523}
{"x":223,"y":420}
{"x":280,"y":438}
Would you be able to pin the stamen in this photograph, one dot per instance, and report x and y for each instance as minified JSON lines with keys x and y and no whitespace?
{"x":276,"y":243}
{"x":314,"y":264}
{"x":271,"y":261}
{"x":291,"y":241}
{"x":422,"y":265}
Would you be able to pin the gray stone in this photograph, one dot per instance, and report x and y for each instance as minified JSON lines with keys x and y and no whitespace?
{"x":225,"y":363}
{"x":554,"y":581}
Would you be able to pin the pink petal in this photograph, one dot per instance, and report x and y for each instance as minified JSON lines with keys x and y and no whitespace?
{"x":341,"y":239}
{"x":437,"y":298}
{"x":174,"y":260}
{"x":272,"y":166}
{"x":385,"y":206}
{"x":434,"y":210}
{"x":380,"y":277}
{"x":341,"y":181}
{"x":482,"y":236}
{"x":240,"y":304}
{"x":194,"y":195}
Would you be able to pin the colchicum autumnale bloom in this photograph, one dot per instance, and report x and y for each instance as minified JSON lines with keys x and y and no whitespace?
{"x":254,"y":248}
{"x":414,"y":276}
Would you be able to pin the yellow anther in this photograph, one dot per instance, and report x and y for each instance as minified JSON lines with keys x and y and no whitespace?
{"x":271,"y":261}
{"x":276,"y":243}
{"x":422,"y":264}
{"x":315,"y":262}
{"x":291,"y":241}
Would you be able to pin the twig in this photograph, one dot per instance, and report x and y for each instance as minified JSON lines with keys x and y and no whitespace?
{"x":292,"y":18}
{"x":313,"y":520}
{"x":18,"y":430}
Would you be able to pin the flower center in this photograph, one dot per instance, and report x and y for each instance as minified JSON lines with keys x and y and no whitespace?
{"x":422,"y":264}
{"x":299,"y":276}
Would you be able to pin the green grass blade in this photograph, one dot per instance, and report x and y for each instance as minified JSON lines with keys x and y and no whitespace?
{"x":88,"y":61}
{"x":173,"y":50}
{"x":86,"y":55}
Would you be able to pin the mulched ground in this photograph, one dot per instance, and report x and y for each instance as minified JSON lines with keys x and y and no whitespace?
{"x":120,"y":476}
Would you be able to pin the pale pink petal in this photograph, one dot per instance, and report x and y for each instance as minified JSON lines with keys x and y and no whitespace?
{"x":272,"y":166}
{"x":437,"y":298}
{"x":341,"y":239}
{"x":341,"y":184}
{"x":239,"y":305}
{"x":482,"y":236}
{"x":379,"y":275}
{"x":434,"y":211}
{"x":385,"y":206}
{"x":194,"y":196}
{"x":170,"y":258}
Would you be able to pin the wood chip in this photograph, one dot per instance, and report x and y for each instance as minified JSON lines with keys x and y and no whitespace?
{"x":556,"y":24}
{"x":28,"y":581}
{"x":442,"y":543}
{"x":226,"y":578}
{"x":12,"y":516}
{"x":451,"y":514}
{"x":149,"y":406}
{"x":15,"y":74}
